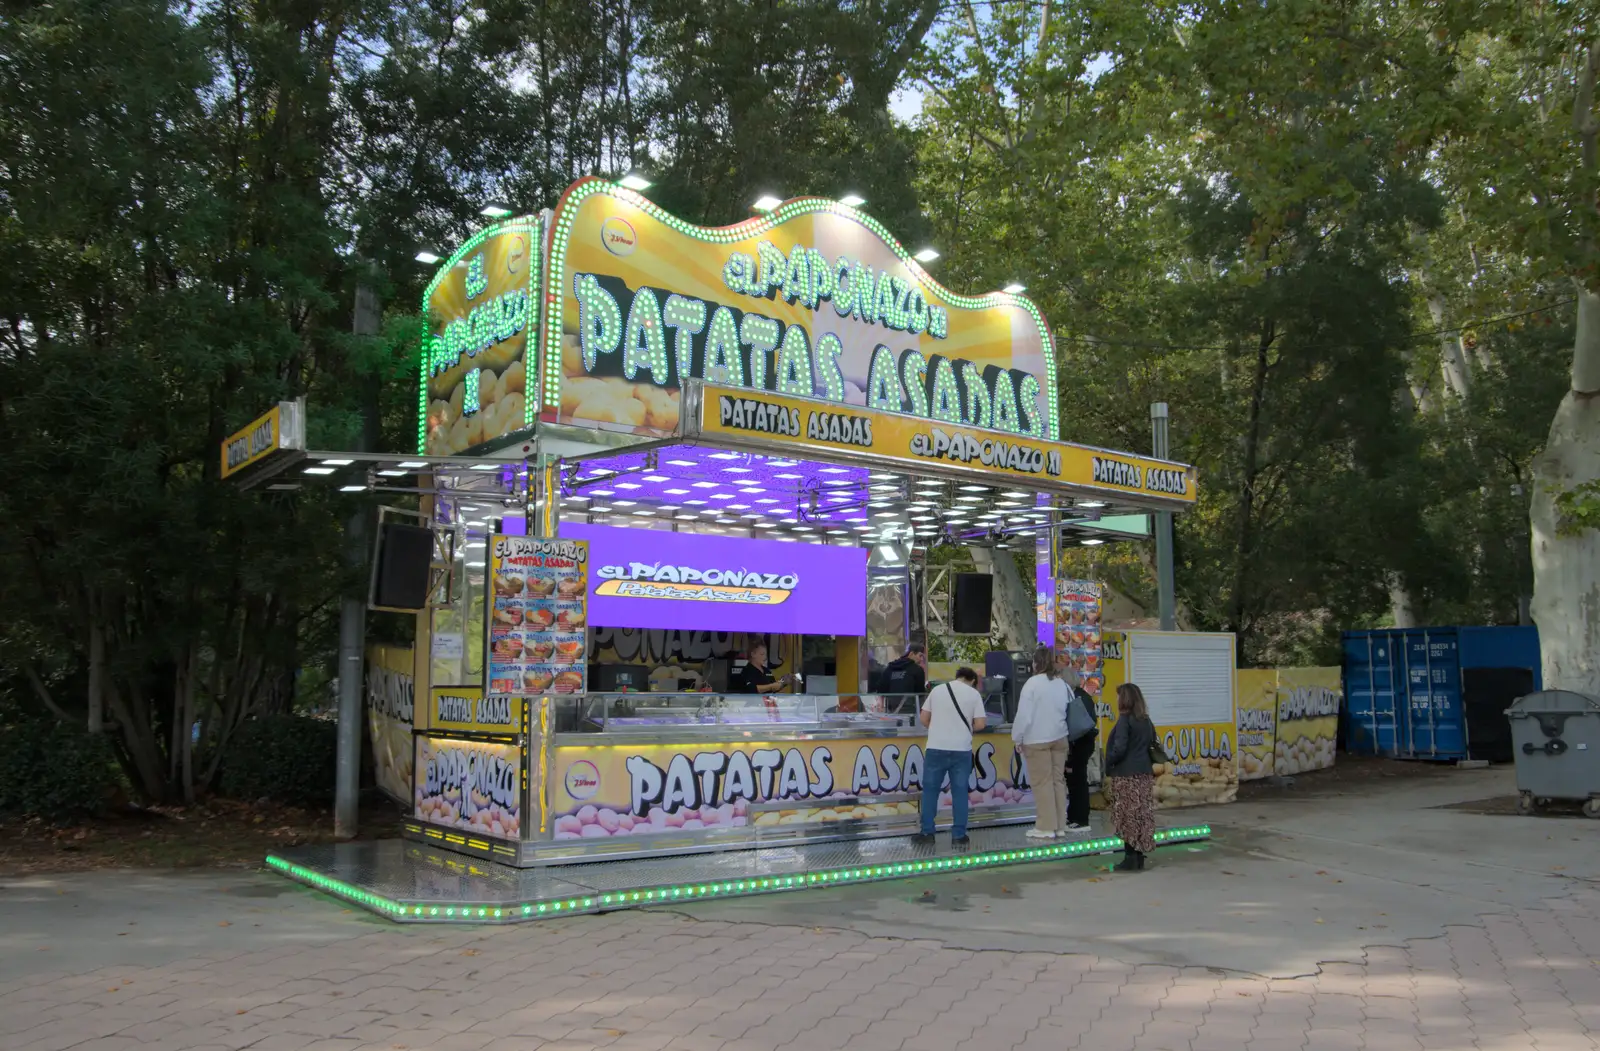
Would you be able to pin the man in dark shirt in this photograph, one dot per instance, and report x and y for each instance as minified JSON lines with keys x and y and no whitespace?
{"x":907,"y":676}
{"x":755,"y":677}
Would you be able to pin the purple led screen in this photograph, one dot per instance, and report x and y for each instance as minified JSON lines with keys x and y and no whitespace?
{"x":647,"y":578}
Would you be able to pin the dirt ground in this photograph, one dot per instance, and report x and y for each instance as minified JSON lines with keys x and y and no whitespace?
{"x":1350,"y":775}
{"x":216,"y":834}
{"x":226,"y":834}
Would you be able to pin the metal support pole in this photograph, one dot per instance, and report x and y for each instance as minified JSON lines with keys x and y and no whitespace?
{"x":352,"y":631}
{"x":353,"y":618}
{"x":1166,"y":584}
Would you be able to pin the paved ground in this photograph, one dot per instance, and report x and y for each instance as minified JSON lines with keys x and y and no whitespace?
{"x":1365,"y":917}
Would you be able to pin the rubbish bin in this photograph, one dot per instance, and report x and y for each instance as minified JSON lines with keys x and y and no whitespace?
{"x":1555,"y":737}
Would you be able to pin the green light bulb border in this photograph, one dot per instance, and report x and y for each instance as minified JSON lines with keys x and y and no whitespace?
{"x":700,"y":890}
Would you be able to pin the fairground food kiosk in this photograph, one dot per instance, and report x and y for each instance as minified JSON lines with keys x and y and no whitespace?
{"x":645,"y":447}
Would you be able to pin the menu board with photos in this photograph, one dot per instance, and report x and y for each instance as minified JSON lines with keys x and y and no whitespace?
{"x":539,"y":590}
{"x":1078,"y":631}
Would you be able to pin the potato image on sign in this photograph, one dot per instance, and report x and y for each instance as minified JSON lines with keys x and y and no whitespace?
{"x":481,"y":310}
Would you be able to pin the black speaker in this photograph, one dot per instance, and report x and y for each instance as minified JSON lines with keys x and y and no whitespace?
{"x":974,"y":597}
{"x":404,"y":554}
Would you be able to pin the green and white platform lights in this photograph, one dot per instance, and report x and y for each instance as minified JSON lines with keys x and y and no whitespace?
{"x":510,"y":912}
{"x":635,"y":182}
{"x":1014,"y":289}
{"x":766,"y":203}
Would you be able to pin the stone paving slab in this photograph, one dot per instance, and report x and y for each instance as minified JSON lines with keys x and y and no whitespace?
{"x":1527,"y":979}
{"x":1493,"y":944}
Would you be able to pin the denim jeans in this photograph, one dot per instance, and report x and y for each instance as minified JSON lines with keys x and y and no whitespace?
{"x":936,"y":765}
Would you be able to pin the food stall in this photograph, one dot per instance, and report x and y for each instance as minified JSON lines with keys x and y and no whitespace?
{"x":662,"y":768}
{"x":649,"y":446}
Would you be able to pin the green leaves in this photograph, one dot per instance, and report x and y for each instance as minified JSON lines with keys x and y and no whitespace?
{"x":1224,"y":207}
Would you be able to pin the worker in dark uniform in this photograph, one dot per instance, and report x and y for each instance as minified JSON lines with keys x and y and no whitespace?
{"x":756,"y":677}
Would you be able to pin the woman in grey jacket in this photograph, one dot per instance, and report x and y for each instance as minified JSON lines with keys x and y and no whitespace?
{"x":1128,"y":766}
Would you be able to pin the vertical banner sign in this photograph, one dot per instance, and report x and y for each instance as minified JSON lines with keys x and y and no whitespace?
{"x":1308,"y":719}
{"x":1078,"y":631}
{"x":481,"y":308}
{"x":1256,"y":697}
{"x":391,"y":691}
{"x":540,"y":610}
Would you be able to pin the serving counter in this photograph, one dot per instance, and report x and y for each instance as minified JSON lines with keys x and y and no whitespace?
{"x":605,"y":775}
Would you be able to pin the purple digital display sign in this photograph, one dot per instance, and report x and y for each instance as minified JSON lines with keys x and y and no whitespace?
{"x":647,"y":578}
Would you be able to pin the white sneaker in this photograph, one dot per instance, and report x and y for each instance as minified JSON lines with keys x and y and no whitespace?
{"x":1034,"y":833}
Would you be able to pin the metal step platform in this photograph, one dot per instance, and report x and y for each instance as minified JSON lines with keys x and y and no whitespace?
{"x":410,"y":882}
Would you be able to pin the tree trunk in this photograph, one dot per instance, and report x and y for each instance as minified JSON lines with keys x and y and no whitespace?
{"x":1453,"y":363}
{"x":1247,"y":481}
{"x":1566,"y":566}
{"x":1401,"y":609}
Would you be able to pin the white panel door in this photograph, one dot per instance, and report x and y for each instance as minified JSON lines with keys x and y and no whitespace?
{"x":1187,"y":677}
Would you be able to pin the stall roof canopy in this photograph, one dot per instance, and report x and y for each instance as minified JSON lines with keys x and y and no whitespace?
{"x":801,"y":469}
{"x":738,"y":418}
{"x":707,"y":489}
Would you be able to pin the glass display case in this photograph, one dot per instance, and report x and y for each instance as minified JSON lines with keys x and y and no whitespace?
{"x":652,"y":713}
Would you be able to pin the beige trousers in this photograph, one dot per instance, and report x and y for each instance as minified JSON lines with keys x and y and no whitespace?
{"x":1047,"y":765}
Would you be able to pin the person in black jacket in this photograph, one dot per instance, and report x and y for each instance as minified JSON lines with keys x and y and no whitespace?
{"x":1129,"y":769}
{"x":907,"y":677}
{"x":1079,"y":752}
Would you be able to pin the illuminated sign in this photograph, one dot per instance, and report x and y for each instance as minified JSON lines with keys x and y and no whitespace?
{"x":482,"y":310}
{"x":800,"y":426}
{"x":280,"y":429}
{"x":654,"y":580}
{"x":646,"y":578}
{"x":815,"y":300}
{"x":465,"y":708}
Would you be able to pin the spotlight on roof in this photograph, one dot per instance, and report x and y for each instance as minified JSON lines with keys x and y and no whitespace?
{"x":1014,"y":289}
{"x":852,"y":200}
{"x":634,"y":181}
{"x":426,"y":256}
{"x":927,"y":255}
{"x":766,"y":203}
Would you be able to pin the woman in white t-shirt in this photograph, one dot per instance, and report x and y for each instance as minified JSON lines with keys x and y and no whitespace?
{"x":1040,"y":730}
{"x":952,"y":712}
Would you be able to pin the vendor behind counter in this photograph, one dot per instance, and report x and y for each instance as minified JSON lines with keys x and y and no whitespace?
{"x":756,"y":676}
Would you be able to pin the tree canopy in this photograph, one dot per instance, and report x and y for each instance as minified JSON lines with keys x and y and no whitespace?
{"x":1346,"y":240}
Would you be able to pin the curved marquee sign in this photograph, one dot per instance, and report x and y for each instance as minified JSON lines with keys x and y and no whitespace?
{"x":815,"y":301}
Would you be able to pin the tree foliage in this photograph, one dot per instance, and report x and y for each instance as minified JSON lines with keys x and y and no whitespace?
{"x":1341,"y":239}
{"x":1268,"y":216}
{"x":190,"y":197}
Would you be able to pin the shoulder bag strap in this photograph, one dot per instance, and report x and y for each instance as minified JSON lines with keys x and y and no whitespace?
{"x":951,"y":693}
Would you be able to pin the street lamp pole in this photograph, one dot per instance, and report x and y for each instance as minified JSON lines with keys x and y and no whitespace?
{"x":1166,"y":586}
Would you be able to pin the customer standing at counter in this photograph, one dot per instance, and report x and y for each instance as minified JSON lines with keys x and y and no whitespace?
{"x":1129,"y":768}
{"x":1080,"y":749}
{"x":1040,"y":730}
{"x":952,"y":713}
{"x":756,"y":677}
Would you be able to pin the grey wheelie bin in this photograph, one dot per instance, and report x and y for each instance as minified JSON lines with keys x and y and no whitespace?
{"x":1555,"y":736}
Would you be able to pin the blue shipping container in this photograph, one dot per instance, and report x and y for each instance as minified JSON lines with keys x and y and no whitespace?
{"x":1436,"y":693}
